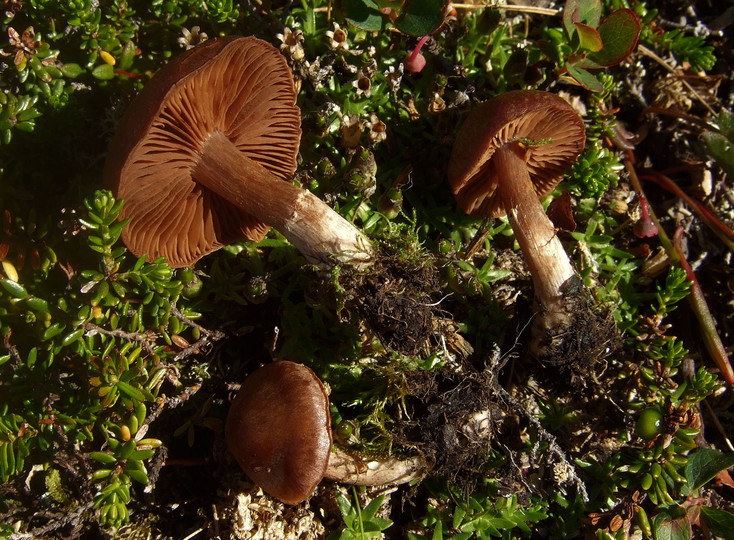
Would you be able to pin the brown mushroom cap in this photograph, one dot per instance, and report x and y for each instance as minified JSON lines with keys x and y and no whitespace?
{"x":239,"y":86}
{"x":514,"y":116}
{"x":279,"y":430}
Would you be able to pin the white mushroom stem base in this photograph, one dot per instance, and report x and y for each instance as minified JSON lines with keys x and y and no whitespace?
{"x":355,"y":470}
{"x":547,"y":261}
{"x":316,"y":230}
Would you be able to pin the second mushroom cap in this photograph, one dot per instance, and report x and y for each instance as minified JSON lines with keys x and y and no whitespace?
{"x":279,"y":430}
{"x":550,"y":130}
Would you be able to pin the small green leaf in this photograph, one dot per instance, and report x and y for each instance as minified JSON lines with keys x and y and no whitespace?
{"x":72,"y":71}
{"x":14,"y":288}
{"x":27,"y":127}
{"x":138,"y":476}
{"x":72,"y":337}
{"x":371,"y":509}
{"x":103,"y":72}
{"x":37,"y":304}
{"x":704,"y":464}
{"x":28,"y":114}
{"x":363,"y":14}
{"x":102,"y":457}
{"x":619,"y":33}
{"x":130,"y":391}
{"x":345,"y":507}
{"x":515,"y":67}
{"x":140,"y":455}
{"x":421,"y":17}
{"x":127,"y":449}
{"x":584,"y":78}
{"x":53,"y":331}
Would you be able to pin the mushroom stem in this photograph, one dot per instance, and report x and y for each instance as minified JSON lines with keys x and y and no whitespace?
{"x":358,"y":471}
{"x":547,"y":261}
{"x":315,"y":229}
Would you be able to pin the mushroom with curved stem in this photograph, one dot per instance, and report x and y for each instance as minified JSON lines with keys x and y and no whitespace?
{"x":205,"y":154}
{"x":279,"y":431}
{"x":510,"y":152}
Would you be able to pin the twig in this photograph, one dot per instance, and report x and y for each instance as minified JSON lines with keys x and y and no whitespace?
{"x":693,"y":119}
{"x":518,"y":9}
{"x":213,"y":334}
{"x":650,"y":53}
{"x":142,"y":338}
{"x":131,"y":336}
{"x":715,"y":224}
{"x":553,"y":447}
{"x":197,"y":346}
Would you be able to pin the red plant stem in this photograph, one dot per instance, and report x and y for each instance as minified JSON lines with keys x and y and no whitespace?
{"x":717,"y":226}
{"x":127,"y":74}
{"x":698,"y":304}
{"x":417,"y":49}
{"x":708,"y":325}
{"x":645,"y":226}
{"x":637,"y":186}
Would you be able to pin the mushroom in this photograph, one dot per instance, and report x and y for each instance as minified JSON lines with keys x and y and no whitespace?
{"x":279,"y":431}
{"x":510,"y":153}
{"x":204,"y":157}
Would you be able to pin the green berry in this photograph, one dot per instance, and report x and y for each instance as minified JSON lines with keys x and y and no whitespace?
{"x":649,"y":424}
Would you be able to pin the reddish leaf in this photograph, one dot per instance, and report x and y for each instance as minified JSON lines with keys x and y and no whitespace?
{"x":724,"y":478}
{"x":667,"y":527}
{"x":619,"y":33}
{"x":642,"y":251}
{"x":559,"y":212}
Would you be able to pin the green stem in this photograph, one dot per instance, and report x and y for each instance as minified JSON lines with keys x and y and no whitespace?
{"x":359,"y":512}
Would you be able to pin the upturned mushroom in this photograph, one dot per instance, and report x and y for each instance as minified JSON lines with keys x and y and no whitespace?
{"x":205,"y":155}
{"x":510,"y":153}
{"x":279,"y":431}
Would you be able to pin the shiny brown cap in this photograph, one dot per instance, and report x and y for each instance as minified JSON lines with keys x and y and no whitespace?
{"x":240,"y":86}
{"x":279,"y":430}
{"x":530,"y":115}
